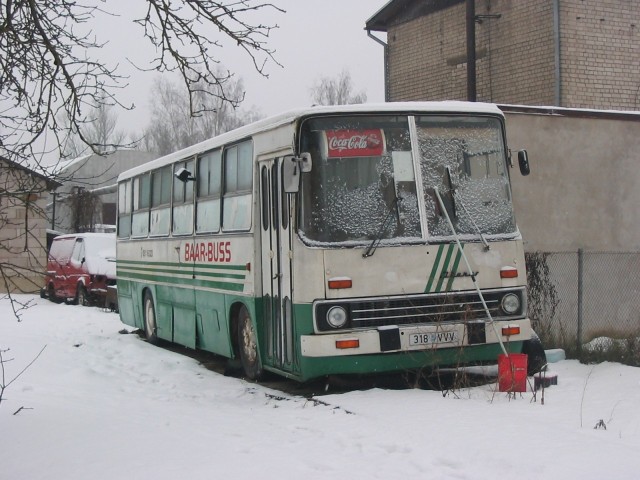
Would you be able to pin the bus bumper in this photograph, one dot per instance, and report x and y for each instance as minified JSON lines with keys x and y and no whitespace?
{"x":415,"y":338}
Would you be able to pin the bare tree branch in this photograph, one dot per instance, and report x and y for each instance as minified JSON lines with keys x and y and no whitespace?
{"x":55,"y":86}
{"x":172,"y":126}
{"x":4,"y":383}
{"x":51,"y":74}
{"x":177,"y":30}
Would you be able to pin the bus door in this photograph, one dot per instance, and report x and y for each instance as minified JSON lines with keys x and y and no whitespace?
{"x":277,"y":327}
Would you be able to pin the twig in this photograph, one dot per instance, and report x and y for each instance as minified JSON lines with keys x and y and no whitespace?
{"x":583,"y":392}
{"x":3,"y":386}
{"x":22,"y":408}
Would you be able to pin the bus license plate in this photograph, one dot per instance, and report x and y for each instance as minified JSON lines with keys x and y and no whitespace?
{"x":432,"y":338}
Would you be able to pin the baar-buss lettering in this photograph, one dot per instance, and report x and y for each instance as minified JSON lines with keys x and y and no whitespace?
{"x":215,"y":252}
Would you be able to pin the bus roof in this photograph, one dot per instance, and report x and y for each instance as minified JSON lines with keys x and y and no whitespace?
{"x":294,"y":115}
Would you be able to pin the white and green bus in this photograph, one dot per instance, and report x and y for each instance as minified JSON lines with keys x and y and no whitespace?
{"x":331,"y":240}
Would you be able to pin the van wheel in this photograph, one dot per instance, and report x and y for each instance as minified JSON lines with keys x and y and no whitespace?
{"x":81,"y":296}
{"x":248,"y":344}
{"x":150,"y":326}
{"x":51,"y":293}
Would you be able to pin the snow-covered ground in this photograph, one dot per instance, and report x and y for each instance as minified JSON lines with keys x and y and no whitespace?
{"x":98,"y":404}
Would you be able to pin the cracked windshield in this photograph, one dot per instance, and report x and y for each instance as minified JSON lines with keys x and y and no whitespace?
{"x":363,"y":187}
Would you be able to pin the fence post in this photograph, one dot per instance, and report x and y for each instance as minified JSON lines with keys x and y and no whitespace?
{"x":580,"y":300}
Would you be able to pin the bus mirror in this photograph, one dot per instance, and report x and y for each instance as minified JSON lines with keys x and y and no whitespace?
{"x":305,"y":162}
{"x":184,"y":175}
{"x":523,"y":161}
{"x":291,"y":169}
{"x":290,"y":175}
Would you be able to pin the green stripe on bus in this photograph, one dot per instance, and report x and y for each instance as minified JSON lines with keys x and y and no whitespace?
{"x":434,"y":269}
{"x":182,"y":264}
{"x":454,"y":269}
{"x":180,"y":271}
{"x":440,"y":270}
{"x":445,"y":267}
{"x":186,"y":282}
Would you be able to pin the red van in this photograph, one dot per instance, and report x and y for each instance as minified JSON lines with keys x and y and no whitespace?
{"x":80,"y":267}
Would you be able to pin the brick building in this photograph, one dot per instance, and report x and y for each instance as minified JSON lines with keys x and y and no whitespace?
{"x":23,"y":224}
{"x":569,"y":53}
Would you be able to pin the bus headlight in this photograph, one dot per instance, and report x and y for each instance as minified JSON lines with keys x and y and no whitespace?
{"x":337,"y":317}
{"x":510,"y":303}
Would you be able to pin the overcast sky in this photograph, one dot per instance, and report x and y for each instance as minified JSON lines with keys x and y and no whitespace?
{"x":314,"y":39}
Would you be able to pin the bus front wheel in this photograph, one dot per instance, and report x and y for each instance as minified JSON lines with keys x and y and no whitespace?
{"x":150,"y":328}
{"x":249,"y":354}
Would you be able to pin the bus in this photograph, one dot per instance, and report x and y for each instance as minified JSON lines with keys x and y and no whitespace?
{"x":357,"y":239}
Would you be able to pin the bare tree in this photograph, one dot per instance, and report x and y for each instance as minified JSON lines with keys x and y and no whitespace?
{"x":100,"y":129}
{"x":52,"y":77}
{"x":50,"y":67}
{"x":172,"y":125}
{"x":84,"y":206}
{"x":336,"y":91}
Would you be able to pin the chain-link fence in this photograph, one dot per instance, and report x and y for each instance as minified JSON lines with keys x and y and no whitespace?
{"x":587,"y":303}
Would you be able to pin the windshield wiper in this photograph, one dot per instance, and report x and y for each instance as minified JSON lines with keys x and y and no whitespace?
{"x":387,"y":221}
{"x":454,"y":198}
{"x":453,"y":193}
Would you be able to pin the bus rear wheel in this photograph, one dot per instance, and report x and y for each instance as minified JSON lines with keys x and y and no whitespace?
{"x":248,"y":345}
{"x":150,"y":327}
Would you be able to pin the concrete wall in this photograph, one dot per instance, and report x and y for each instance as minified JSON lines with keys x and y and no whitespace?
{"x":584,"y":187}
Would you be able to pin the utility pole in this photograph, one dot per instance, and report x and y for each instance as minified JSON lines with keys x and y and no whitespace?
{"x":471,"y":50}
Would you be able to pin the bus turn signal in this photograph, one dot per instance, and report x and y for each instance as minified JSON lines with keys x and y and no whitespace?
{"x":348,"y":343}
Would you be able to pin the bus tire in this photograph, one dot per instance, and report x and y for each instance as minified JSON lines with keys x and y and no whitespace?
{"x":150,"y":325}
{"x":81,"y":296}
{"x":536,"y":357}
{"x":248,"y":345}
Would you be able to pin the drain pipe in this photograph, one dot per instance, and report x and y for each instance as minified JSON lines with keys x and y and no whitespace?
{"x":473,"y":277}
{"x":557,"y":98}
{"x":385,"y":46}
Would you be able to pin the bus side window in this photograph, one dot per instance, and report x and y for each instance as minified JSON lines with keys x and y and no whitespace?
{"x":182,"y":213}
{"x":160,"y":199}
{"x":124,"y":209}
{"x":264,"y":190}
{"x":141,"y":203}
{"x":238,"y":168}
{"x":208,"y":195}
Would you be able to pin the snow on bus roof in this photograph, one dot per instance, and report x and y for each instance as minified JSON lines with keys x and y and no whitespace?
{"x":293,"y":115}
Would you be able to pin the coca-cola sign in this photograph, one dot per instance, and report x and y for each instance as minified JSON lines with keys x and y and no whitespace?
{"x":354,"y":143}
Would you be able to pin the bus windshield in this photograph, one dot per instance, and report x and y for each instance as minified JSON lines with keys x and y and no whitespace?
{"x":363,"y":184}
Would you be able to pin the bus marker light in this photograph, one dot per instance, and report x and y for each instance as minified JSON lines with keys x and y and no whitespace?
{"x":340,"y":282}
{"x":348,"y":343}
{"x":248,"y":266}
{"x":508,"y":272}
{"x":510,"y":330}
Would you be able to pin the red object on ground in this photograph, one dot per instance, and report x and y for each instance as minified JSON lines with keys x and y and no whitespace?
{"x":512,"y":372}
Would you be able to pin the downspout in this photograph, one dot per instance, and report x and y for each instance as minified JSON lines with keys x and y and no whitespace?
{"x":386,"y":63}
{"x":471,"y":50}
{"x":557,"y":98}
